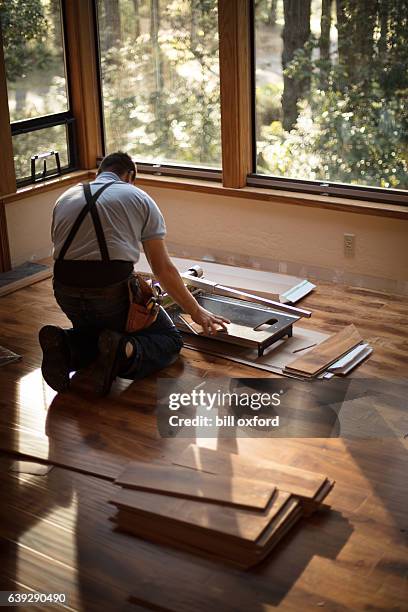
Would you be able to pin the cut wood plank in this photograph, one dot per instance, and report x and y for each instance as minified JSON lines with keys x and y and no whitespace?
{"x":329,"y":351}
{"x":232,"y":523}
{"x":243,"y":334}
{"x":190,"y":484}
{"x":195,"y":327}
{"x":300,"y":483}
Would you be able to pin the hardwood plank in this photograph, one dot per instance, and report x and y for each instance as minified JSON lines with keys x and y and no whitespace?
{"x":192,"y":325}
{"x":233,"y":523}
{"x":240,"y":334}
{"x":190,"y":484}
{"x":30,"y":467}
{"x":320,"y":357}
{"x":300,"y":483}
{"x":212,"y":546}
{"x":353,"y":557}
{"x":40,"y":527}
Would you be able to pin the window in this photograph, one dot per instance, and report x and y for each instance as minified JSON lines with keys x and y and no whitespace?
{"x":37,"y":84}
{"x":160,"y":80}
{"x":329,"y":84}
{"x":331,"y":90}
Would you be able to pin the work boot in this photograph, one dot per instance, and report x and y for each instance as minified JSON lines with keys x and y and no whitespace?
{"x":55,"y":366}
{"x":111,"y":360}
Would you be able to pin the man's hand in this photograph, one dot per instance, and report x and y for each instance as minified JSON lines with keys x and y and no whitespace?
{"x":171,"y":281}
{"x":208,"y":321}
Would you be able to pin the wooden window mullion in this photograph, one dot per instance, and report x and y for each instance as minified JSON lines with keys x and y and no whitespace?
{"x":236,"y":95}
{"x":7,"y":173}
{"x":82,"y":62}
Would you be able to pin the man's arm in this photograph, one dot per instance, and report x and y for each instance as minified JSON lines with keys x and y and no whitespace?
{"x":168,"y":276}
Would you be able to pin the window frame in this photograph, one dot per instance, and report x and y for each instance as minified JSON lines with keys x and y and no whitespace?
{"x":66,"y":118}
{"x":321,"y":188}
{"x":27,"y":126}
{"x":338,"y":190}
{"x":154,"y":168}
{"x":85,"y":121}
{"x":194,"y":172}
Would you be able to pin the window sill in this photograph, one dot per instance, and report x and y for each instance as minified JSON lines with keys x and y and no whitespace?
{"x":274,"y":195}
{"x":214,"y":188}
{"x":59,"y":182}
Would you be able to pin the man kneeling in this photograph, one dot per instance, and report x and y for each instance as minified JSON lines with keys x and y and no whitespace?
{"x":97,"y":229}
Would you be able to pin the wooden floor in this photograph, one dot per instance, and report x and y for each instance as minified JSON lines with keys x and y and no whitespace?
{"x":55,"y":532}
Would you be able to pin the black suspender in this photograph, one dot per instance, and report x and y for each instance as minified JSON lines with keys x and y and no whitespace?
{"x":88,"y":208}
{"x":103,"y":247}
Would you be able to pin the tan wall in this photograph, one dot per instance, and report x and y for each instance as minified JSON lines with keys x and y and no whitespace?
{"x":291,"y":238}
{"x":29,"y":226}
{"x":287,"y":238}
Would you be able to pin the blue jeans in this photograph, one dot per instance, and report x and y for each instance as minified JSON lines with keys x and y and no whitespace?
{"x":93,"y":310}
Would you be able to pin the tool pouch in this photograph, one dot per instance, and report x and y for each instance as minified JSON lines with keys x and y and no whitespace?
{"x":143,"y":304}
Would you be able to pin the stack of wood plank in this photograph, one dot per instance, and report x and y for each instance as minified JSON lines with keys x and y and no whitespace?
{"x":322,"y":356}
{"x":229,"y":507}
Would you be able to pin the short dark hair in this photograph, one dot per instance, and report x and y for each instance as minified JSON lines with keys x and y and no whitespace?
{"x":118,"y":162}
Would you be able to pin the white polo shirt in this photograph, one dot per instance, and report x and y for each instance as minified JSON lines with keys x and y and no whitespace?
{"x":128,"y":215}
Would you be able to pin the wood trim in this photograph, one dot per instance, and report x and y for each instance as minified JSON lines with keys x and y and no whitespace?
{"x":379,"y":209}
{"x":27,"y":281}
{"x":5,"y":260}
{"x":7,"y":173}
{"x":56,"y":183}
{"x":235,"y":85}
{"x":82,"y":65}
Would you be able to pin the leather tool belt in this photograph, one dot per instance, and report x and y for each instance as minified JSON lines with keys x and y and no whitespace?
{"x":144,"y":304}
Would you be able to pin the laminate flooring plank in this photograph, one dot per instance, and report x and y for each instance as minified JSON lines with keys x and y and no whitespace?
{"x":352,"y":558}
{"x":239,"y":334}
{"x":239,"y":554}
{"x":318,"y":358}
{"x":287,"y":578}
{"x":229,"y":522}
{"x":88,"y":548}
{"x":190,"y":484}
{"x":301,"y":483}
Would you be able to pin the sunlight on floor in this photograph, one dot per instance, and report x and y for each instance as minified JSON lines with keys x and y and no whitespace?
{"x":34,"y":397}
{"x":34,"y":393}
{"x":50,"y":541}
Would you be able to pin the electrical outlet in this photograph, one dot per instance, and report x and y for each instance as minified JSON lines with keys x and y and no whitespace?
{"x":349,"y":244}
